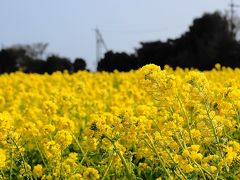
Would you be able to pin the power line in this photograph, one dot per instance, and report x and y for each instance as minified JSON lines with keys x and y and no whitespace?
{"x":232,"y":6}
{"x":100,"y":44}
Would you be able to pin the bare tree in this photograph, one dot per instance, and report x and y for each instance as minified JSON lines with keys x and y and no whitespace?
{"x":34,"y":51}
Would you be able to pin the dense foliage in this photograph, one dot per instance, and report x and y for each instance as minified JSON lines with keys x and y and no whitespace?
{"x":144,"y":124}
{"x":29,"y":60}
{"x":209,"y":40}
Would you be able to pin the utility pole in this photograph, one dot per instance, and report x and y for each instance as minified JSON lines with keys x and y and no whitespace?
{"x":100,"y":44}
{"x":232,"y":6}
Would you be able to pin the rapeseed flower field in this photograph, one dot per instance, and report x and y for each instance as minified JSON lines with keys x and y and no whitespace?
{"x":151,"y":123}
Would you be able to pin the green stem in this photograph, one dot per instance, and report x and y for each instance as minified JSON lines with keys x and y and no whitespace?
{"x":200,"y":170}
{"x":178,"y":140}
{"x":83,"y":158}
{"x":121,"y":157}
{"x":21,"y":155}
{"x":11,"y":165}
{"x":78,"y":144}
{"x":214,"y":132}
{"x":2,"y":173}
{"x":183,"y":139}
{"x":79,"y":164}
{"x":188,"y":125}
{"x":203,"y":170}
{"x":151,"y":145}
{"x":108,"y":167}
{"x":179,"y":169}
{"x":40,"y":153}
{"x":61,"y":160}
{"x":211,"y":122}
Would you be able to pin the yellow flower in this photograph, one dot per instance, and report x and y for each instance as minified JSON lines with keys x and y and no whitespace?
{"x":49,"y":107}
{"x":2,"y":101}
{"x":64,"y":138}
{"x":47,"y":177}
{"x":5,"y":122}
{"x":195,"y":147}
{"x":235,"y":145}
{"x":183,"y":115}
{"x":185,"y":153}
{"x":213,"y":169}
{"x":25,"y":169}
{"x":65,"y":124}
{"x":38,"y":170}
{"x":91,"y":174}
{"x":196,"y":133}
{"x":52,"y":149}
{"x":149,"y":69}
{"x":30,"y":129}
{"x":188,"y":168}
{"x":143,"y":166}
{"x":196,"y":156}
{"x":2,"y":158}
{"x":49,"y":128}
{"x":231,"y":155}
{"x":76,"y":176}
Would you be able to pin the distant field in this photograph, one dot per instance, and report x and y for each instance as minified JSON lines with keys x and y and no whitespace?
{"x":145,"y":124}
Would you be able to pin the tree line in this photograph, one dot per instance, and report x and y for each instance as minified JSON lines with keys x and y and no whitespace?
{"x":28,"y":58}
{"x":209,"y":40}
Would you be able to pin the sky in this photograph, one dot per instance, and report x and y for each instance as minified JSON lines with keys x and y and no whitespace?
{"x":69,"y":26}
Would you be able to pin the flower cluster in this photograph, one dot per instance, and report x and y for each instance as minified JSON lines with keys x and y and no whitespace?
{"x":151,"y":123}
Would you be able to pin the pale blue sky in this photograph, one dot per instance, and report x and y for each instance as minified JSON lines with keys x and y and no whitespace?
{"x":68,"y":26}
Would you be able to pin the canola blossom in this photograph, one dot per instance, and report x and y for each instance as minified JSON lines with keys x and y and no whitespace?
{"x":151,"y":123}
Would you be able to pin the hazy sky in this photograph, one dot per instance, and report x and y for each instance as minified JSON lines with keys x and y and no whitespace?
{"x":68,"y":25}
